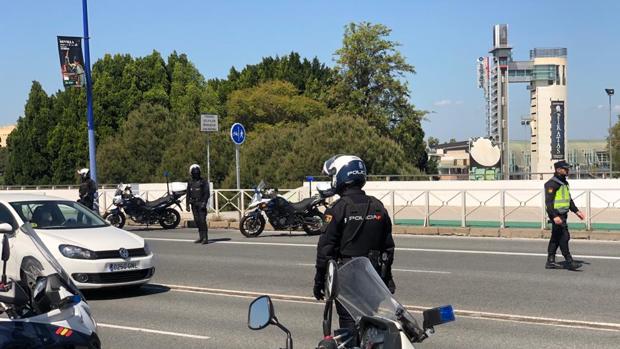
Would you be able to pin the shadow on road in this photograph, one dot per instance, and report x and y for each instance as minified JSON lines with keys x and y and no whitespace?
{"x":125,"y":292}
{"x":277,"y":235}
{"x":214,"y":241}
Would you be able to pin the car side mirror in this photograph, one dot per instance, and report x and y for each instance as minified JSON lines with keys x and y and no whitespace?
{"x":6,"y":228}
{"x":331,"y":281}
{"x":260,"y":314}
{"x":438,"y":316}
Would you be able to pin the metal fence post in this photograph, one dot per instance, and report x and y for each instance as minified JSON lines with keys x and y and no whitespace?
{"x":463,"y":208}
{"x":393,"y":206}
{"x":217,"y":202}
{"x":427,"y":209}
{"x":502,"y":209}
{"x":242,"y":204}
{"x":589,"y":209}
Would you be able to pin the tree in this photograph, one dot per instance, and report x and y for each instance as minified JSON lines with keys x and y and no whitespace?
{"x":369,"y":84}
{"x":433,"y":142}
{"x":271,"y":103}
{"x":615,"y":144}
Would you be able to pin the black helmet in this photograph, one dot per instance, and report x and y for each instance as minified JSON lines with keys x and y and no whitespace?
{"x":345,"y":170}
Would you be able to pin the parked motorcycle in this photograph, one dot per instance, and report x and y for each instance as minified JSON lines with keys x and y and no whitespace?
{"x":47,"y":313}
{"x":282,"y":214}
{"x":144,"y":212}
{"x":381,"y":321}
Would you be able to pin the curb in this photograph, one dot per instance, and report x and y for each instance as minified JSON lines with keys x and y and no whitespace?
{"x":508,"y":233}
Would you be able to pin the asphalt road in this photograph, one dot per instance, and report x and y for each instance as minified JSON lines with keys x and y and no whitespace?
{"x":500,"y":289}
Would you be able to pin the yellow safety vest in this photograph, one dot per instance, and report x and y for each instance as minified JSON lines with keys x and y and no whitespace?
{"x":562,"y":197}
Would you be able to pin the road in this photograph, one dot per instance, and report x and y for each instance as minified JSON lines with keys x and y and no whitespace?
{"x":501,"y":292}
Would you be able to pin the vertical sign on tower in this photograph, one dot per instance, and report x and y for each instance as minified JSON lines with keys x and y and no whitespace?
{"x":557,"y":130}
{"x":71,"y":61}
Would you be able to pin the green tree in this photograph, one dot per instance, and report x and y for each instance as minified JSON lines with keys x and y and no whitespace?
{"x":369,"y":84}
{"x":28,"y":159}
{"x":271,"y":103}
{"x":433,"y":142}
{"x":615,"y":144}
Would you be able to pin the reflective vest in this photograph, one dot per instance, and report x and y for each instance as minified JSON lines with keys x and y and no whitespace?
{"x":562,"y":197}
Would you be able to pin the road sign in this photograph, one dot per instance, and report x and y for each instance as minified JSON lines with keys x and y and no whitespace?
{"x":237,"y":133}
{"x":209,"y":123}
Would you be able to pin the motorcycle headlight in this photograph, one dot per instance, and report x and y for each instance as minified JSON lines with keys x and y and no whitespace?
{"x":147,"y":248}
{"x":75,"y":252}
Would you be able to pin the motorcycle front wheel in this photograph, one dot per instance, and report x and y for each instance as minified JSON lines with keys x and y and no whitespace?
{"x":115,"y":219}
{"x":252,"y":225}
{"x":313,"y":223}
{"x":170,"y":219}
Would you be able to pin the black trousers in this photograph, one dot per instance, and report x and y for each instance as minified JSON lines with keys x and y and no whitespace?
{"x":559,"y":238}
{"x":346,"y":321}
{"x":200,"y":218}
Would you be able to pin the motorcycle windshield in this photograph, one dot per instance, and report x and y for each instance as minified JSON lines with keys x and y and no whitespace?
{"x":52,"y":266}
{"x":261,"y":185}
{"x":362,"y":292}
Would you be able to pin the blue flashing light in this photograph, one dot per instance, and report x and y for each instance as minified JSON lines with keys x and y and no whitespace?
{"x":309,"y":178}
{"x":446,"y":313}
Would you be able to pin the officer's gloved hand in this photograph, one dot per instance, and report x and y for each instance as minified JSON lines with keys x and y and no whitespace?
{"x":391,"y":286}
{"x":319,"y":291}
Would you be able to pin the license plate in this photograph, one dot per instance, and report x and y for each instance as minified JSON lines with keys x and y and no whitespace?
{"x":123,"y":266}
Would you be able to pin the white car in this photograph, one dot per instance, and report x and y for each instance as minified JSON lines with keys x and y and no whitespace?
{"x":94,"y":253}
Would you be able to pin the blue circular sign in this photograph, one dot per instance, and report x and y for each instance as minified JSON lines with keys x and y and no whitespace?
{"x":237,"y":133}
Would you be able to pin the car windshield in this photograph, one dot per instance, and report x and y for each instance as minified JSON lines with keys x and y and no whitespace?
{"x":46,"y":214}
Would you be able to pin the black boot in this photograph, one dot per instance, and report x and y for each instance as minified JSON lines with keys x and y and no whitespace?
{"x":571,"y":264}
{"x":205,"y":240}
{"x":551,"y":262}
{"x":198,"y":241}
{"x":201,"y":237}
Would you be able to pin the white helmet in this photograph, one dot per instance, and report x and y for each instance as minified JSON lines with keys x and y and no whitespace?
{"x":194,"y":166}
{"x":84,"y":173}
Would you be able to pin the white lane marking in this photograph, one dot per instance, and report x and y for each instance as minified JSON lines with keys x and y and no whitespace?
{"x":393,"y":269}
{"x":497,"y":253}
{"x":146,"y":330}
{"x":480,"y":315}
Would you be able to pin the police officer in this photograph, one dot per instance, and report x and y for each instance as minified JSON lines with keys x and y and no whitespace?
{"x":356,"y":225}
{"x":558,"y":202}
{"x":87,"y":190}
{"x":198,"y":196}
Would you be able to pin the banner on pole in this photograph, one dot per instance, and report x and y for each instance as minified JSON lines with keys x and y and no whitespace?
{"x":71,"y":61}
{"x":557,"y":130}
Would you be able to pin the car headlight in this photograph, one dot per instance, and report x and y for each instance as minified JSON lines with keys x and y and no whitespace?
{"x":75,"y":252}
{"x":147,"y":248}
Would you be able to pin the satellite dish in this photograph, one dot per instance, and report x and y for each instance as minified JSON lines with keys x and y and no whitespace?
{"x":485,"y":153}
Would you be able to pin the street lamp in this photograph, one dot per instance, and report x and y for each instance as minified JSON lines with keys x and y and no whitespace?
{"x":610,"y":92}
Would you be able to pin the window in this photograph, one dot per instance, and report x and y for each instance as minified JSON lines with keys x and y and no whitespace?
{"x":57,"y":215}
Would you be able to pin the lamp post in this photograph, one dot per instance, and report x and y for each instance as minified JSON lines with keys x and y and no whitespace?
{"x":610,"y":92}
{"x":89,"y":96}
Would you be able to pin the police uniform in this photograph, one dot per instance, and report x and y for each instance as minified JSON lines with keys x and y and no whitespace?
{"x":558,"y":203}
{"x":87,"y":191}
{"x":198,"y":197}
{"x":356,"y":225}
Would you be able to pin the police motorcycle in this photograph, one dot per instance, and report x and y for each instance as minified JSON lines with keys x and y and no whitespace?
{"x":381,"y":321}
{"x":281,"y":213}
{"x":146,"y":212}
{"x":40,"y":307}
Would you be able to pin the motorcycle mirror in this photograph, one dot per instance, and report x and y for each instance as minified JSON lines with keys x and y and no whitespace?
{"x":438,"y":316}
{"x":331,"y":281}
{"x":260,"y":314}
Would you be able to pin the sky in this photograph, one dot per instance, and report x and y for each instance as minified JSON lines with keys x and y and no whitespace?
{"x":441,"y":38}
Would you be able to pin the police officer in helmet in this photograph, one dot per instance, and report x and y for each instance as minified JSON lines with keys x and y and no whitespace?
{"x":558,"y":202}
{"x":87,"y":190}
{"x":356,"y":225}
{"x":198,"y":197}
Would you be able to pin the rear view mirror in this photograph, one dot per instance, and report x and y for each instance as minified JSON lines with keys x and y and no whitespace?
{"x":438,"y":316}
{"x":261,"y":313}
{"x":331,"y":281}
{"x":6,"y":228}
